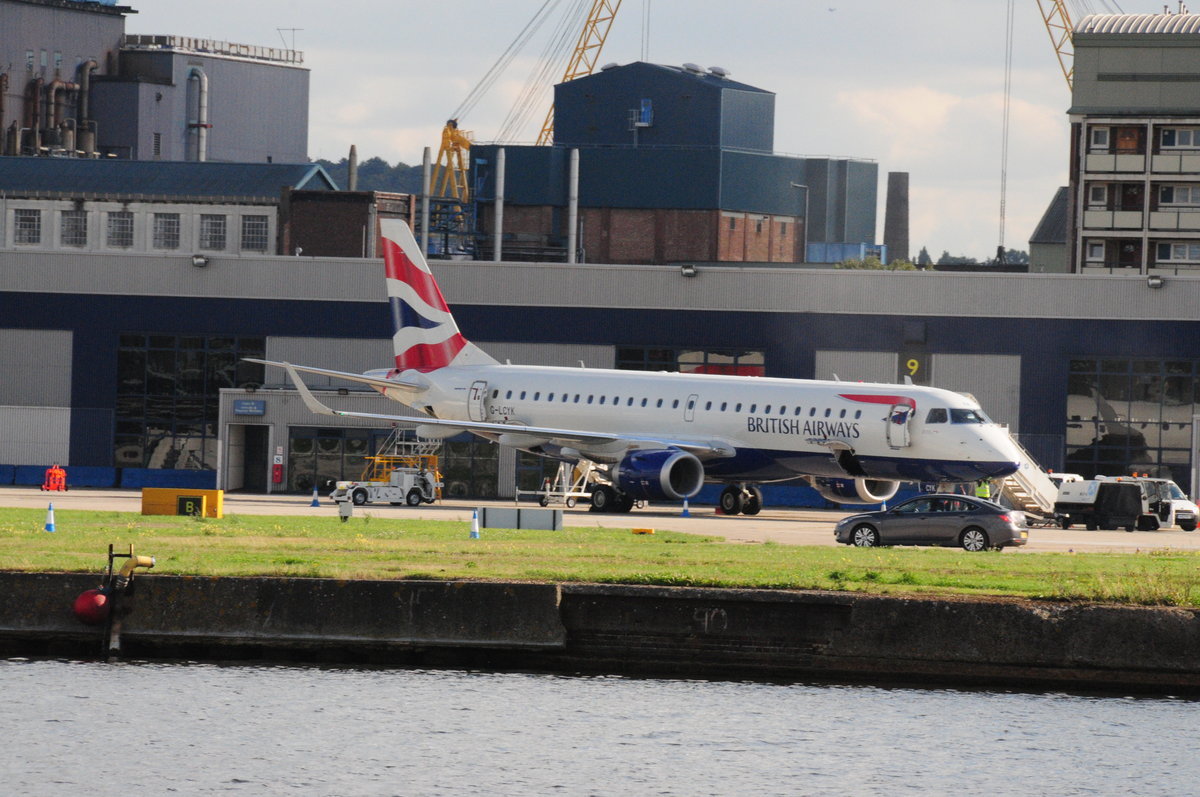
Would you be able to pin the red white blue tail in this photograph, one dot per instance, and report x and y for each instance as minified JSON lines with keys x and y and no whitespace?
{"x":425,"y":337}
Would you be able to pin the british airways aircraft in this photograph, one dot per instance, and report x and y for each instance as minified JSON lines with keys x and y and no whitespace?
{"x":661,"y":436}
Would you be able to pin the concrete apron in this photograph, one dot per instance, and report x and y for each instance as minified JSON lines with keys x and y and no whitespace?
{"x":712,"y":633}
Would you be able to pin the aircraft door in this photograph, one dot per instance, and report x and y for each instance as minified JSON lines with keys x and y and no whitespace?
{"x":897,"y":425}
{"x":477,"y":401}
{"x":689,"y":409}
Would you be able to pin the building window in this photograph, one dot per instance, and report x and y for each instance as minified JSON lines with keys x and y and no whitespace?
{"x":1127,"y":415}
{"x":783,"y":229}
{"x":74,"y":228}
{"x":27,"y":227}
{"x":157,"y":152}
{"x":1098,"y":196}
{"x":212,"y":232}
{"x":695,"y":361}
{"x":1095,"y":251}
{"x":1099,"y":139}
{"x":120,"y":229}
{"x":1178,"y":252}
{"x":1180,"y":138}
{"x":166,"y":230}
{"x":1179,"y":195}
{"x":168,"y":390}
{"x":254,"y":233}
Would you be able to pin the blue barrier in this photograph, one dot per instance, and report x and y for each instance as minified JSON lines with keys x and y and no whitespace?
{"x":7,"y":474}
{"x":136,"y":478}
{"x":801,"y":496}
{"x":30,"y":475}
{"x":91,"y":476}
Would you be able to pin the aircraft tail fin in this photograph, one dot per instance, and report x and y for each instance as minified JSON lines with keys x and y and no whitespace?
{"x":425,"y":336}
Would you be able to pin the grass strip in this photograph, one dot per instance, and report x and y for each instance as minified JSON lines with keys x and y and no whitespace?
{"x":369,"y":547}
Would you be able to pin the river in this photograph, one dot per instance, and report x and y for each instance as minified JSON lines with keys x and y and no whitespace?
{"x":87,"y":728}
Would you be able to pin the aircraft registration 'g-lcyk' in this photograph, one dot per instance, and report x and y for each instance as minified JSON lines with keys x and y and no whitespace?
{"x":661,"y":436}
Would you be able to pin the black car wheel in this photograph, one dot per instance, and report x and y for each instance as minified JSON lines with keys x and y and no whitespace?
{"x":414,"y":497}
{"x":864,"y":536}
{"x":359,"y":497}
{"x":974,"y":539}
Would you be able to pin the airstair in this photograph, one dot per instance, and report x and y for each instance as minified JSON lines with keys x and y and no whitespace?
{"x":1029,"y":488}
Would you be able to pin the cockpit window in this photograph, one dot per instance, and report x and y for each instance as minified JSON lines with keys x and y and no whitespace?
{"x":936,"y":415}
{"x":968,"y":416}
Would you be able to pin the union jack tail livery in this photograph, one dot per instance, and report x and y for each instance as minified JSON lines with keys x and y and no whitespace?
{"x":425,"y":337}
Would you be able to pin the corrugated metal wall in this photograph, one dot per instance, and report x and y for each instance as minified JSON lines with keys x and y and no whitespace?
{"x":993,"y":379}
{"x":856,"y":366}
{"x":36,"y":367}
{"x":35,"y":435}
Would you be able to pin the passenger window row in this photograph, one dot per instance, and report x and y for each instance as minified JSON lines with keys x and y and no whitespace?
{"x":591,"y":398}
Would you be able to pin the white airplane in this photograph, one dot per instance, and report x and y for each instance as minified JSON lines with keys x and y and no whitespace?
{"x":661,"y":436}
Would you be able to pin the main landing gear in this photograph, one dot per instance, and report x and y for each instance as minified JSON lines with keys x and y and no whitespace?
{"x":606,"y":498}
{"x":741,"y":499}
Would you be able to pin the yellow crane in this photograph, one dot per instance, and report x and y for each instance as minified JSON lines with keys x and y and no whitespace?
{"x":450,"y":171}
{"x":587,"y":53}
{"x":1058,"y":24}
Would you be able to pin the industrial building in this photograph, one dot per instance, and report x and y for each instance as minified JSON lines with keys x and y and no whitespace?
{"x":675,"y":164}
{"x":73,"y":84}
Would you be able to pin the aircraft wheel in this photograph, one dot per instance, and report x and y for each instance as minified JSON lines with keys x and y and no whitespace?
{"x":604,"y":498}
{"x":732,"y":500}
{"x":624,"y":503}
{"x":753,"y":503}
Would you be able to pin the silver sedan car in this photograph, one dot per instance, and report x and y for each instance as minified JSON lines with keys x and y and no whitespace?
{"x":937,"y":519}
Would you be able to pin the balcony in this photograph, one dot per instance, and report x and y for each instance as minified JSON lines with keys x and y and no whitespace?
{"x":1112,"y":162}
{"x":1181,"y":220}
{"x":1176,"y":163}
{"x":1112,"y":220}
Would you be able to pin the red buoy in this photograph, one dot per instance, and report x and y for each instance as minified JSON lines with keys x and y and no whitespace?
{"x":91,"y":607}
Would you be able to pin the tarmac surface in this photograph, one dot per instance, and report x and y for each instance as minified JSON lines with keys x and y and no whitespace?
{"x":785,"y":525}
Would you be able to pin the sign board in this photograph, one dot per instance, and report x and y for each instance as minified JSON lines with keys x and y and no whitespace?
{"x":249,"y":407}
{"x":278,"y":459}
{"x":190,"y":505}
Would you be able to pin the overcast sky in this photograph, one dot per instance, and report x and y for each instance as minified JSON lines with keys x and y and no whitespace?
{"x":916,"y":86}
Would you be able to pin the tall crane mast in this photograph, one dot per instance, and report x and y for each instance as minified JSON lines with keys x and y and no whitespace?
{"x":587,"y":53}
{"x":1058,"y":24}
{"x":450,"y":171}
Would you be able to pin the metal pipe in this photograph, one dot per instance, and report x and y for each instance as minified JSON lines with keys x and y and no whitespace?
{"x":499,"y":209}
{"x":201,"y":124}
{"x":426,"y":179}
{"x":85,"y":88}
{"x":352,"y":169}
{"x":572,"y":205}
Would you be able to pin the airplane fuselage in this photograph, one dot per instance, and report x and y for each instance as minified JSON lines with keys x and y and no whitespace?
{"x":762,"y":429}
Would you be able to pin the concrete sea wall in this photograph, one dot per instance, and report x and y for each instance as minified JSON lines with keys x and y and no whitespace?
{"x":715,"y":633}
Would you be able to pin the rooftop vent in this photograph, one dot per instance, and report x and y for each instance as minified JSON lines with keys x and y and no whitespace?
{"x":609,"y":65}
{"x":694,"y":68}
{"x":719,"y":71}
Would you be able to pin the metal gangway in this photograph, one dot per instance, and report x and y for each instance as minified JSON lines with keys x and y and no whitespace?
{"x":1029,"y":488}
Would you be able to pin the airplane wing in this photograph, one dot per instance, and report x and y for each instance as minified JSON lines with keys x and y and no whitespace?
{"x":366,"y":380}
{"x":574,"y":437}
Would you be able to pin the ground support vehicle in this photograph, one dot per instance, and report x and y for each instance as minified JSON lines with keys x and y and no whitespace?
{"x":1101,"y":504}
{"x":1168,"y":506}
{"x":404,"y":486}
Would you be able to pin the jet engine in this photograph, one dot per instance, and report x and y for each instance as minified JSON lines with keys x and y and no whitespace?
{"x":856,"y":491}
{"x":670,"y":475}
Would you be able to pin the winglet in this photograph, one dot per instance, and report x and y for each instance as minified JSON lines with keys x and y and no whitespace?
{"x":310,"y":400}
